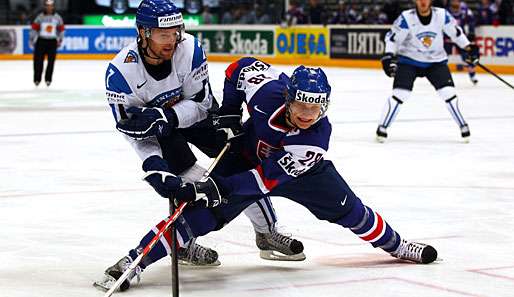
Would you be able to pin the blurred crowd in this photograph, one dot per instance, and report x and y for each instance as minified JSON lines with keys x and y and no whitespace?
{"x":324,"y":12}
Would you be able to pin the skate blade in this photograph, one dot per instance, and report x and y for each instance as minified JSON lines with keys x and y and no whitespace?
{"x":466,"y":139}
{"x":105,"y":284}
{"x":189,"y":264}
{"x":277,"y":256}
{"x":380,"y":139}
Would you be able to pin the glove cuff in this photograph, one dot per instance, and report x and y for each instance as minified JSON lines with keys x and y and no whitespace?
{"x":223,"y":186}
{"x":156,"y":163}
{"x":172,"y":118}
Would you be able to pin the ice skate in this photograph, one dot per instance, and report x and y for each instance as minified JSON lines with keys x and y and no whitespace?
{"x":381,"y":134}
{"x":113,"y":273}
{"x":197,"y":255}
{"x":416,"y":252}
{"x":36,"y":83}
{"x":465,"y":133}
{"x":279,"y":247}
{"x":48,"y":83}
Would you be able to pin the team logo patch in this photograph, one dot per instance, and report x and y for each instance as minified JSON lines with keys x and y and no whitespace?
{"x":426,"y":38}
{"x":131,"y":57}
{"x":264,"y":150}
{"x":166,"y":99}
{"x":170,"y":21}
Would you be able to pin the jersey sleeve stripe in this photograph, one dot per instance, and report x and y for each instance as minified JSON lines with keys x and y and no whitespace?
{"x":259,"y":181}
{"x":230,"y":70}
{"x":268,"y":183}
{"x":198,"y":56}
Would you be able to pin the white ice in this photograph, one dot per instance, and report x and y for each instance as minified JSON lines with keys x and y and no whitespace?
{"x":72,"y":201}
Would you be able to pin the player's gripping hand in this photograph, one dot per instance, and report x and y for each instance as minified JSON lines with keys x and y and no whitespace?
{"x":389,"y":64}
{"x":147,"y":122}
{"x":229,"y":124}
{"x":158,"y":175}
{"x":472,"y":54}
{"x":205,"y":190}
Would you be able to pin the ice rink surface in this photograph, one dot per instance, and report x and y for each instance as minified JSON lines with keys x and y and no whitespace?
{"x":72,"y":201}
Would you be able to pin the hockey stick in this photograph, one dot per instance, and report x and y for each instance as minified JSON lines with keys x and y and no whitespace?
{"x":495,"y":75}
{"x":174,"y":258}
{"x":161,"y":231}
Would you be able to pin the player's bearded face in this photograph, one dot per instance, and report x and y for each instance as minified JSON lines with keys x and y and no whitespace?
{"x":423,"y":6}
{"x":163,"y":42}
{"x":303,"y":115}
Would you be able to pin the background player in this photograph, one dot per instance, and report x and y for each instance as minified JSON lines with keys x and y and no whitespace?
{"x":415,"y":48}
{"x":162,"y":82}
{"x":280,"y":154}
{"x":466,"y":20}
{"x":45,"y":37}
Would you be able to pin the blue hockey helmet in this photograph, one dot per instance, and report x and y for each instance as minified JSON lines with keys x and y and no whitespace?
{"x":158,"y":14}
{"x":309,"y":85}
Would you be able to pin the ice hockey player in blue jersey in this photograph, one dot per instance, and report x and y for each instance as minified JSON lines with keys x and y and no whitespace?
{"x":159,"y":93}
{"x":466,"y":20}
{"x":280,"y":153}
{"x":415,"y":48}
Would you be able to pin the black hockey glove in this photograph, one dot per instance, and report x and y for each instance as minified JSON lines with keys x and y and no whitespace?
{"x":229,"y":124}
{"x":147,"y":122}
{"x":472,"y":55}
{"x":158,"y":175}
{"x":389,"y":64}
{"x":206,"y":190}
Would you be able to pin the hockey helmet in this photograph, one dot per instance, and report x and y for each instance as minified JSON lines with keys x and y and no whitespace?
{"x":309,"y":85}
{"x":159,"y":14}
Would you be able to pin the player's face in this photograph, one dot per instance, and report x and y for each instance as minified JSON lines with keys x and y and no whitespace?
{"x":163,"y":42}
{"x":303,"y":115}
{"x":423,"y":6}
{"x":455,"y":4}
{"x":49,"y":8}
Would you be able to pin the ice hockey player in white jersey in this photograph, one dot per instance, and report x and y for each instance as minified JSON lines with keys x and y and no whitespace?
{"x":415,"y":48}
{"x":159,"y":93}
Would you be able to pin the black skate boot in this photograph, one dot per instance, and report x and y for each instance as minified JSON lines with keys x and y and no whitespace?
{"x":276,"y":246}
{"x":113,"y":273}
{"x":381,"y":134}
{"x":464,"y":132}
{"x":416,"y":252}
{"x":197,"y":255}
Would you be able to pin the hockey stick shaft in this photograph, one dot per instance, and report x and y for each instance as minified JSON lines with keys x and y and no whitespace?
{"x":174,"y":257}
{"x":161,"y":231}
{"x":495,"y":75}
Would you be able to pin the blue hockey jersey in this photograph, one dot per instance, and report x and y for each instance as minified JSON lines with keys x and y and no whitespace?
{"x":278,"y":151}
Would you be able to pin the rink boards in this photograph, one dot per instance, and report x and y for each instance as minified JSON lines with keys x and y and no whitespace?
{"x":358,"y":46}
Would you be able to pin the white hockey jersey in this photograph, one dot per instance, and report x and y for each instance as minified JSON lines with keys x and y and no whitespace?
{"x":186,"y":90}
{"x":47,"y":26}
{"x":418,"y":44}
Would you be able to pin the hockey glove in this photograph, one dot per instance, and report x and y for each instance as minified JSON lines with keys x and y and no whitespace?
{"x":158,"y":175}
{"x":389,"y":64}
{"x":472,"y":55}
{"x":147,"y":122}
{"x":229,"y":124}
{"x":206,"y":190}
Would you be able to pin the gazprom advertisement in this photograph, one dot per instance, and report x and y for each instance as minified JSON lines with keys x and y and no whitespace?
{"x":89,"y":40}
